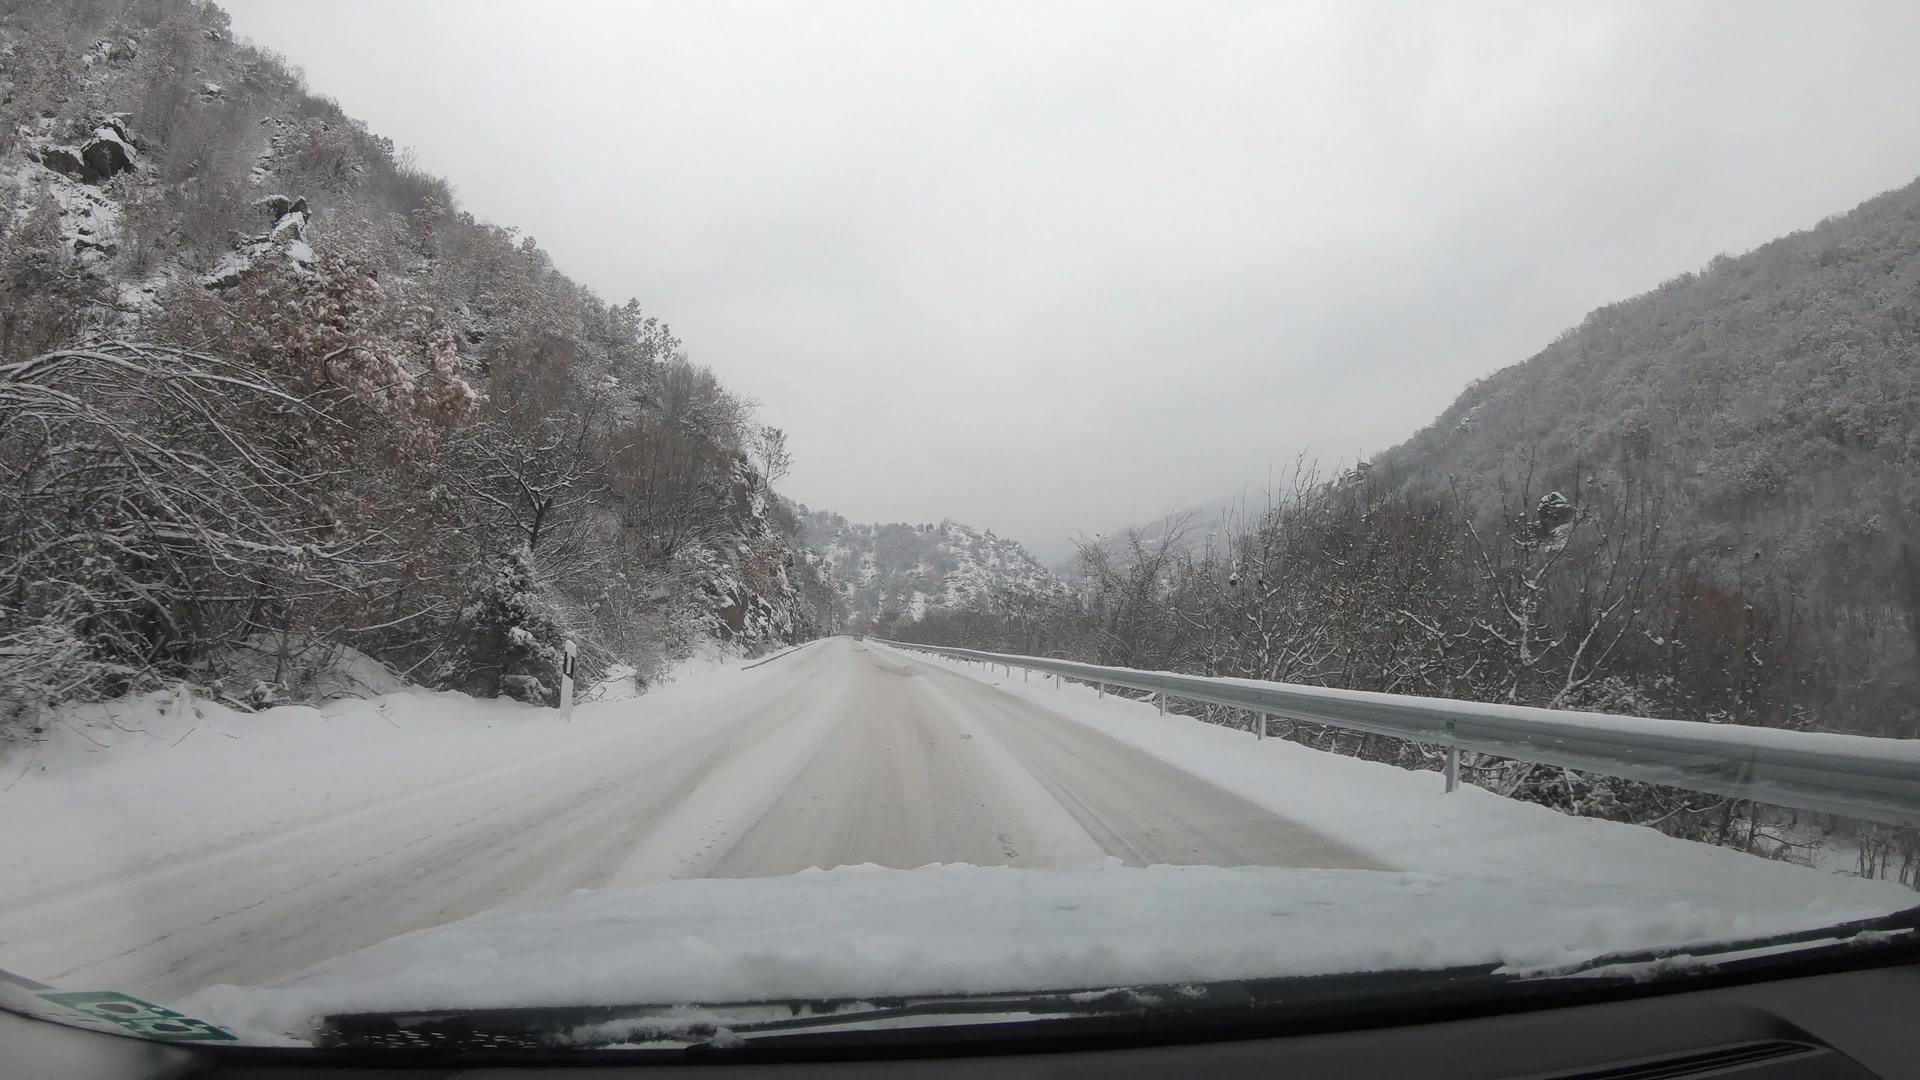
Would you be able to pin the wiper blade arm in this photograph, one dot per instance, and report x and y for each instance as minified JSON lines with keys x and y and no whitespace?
{"x":1879,"y":930}
{"x":974,"y":1006}
{"x":1265,"y":999}
{"x":584,"y":1026}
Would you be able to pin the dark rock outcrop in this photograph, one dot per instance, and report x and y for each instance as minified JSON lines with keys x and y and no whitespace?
{"x":279,"y":206}
{"x":65,"y":160}
{"x":106,"y":152}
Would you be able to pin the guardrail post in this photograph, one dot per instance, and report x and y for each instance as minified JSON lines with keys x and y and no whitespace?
{"x":1059,"y":681}
{"x":1453,"y":760}
{"x":1026,"y":674}
{"x":1261,"y":731}
{"x":1103,"y":689}
{"x":1163,"y":702}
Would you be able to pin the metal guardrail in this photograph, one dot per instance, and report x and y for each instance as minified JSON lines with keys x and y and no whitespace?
{"x":1855,"y":776}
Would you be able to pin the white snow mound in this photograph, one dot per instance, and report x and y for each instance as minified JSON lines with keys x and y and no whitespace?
{"x":869,"y":931}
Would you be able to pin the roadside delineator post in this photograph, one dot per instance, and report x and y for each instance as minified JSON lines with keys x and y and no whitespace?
{"x":566,"y":681}
{"x":1453,"y":760}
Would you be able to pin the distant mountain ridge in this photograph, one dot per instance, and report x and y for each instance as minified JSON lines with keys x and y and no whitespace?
{"x":885,"y":571}
{"x":1193,"y":528}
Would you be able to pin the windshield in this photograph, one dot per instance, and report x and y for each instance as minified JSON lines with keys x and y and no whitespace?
{"x":634,"y":525}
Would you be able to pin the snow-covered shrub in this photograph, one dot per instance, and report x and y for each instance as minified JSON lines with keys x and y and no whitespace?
{"x":509,"y":637}
{"x":149,"y":524}
{"x":41,"y":663}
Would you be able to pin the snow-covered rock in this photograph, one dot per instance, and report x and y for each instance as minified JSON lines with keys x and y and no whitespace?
{"x":110,"y":51}
{"x":105,"y":152}
{"x":108,"y":153}
{"x":287,"y":235}
{"x":88,"y":219}
{"x":64,"y":160}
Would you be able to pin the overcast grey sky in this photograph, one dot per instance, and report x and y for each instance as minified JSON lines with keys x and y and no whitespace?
{"x":1057,"y":267}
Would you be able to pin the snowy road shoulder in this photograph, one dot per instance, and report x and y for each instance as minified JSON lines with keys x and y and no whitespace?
{"x":134,"y":785}
{"x":1405,"y":819}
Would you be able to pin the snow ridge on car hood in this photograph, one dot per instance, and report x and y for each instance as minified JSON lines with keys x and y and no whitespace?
{"x":947,"y":929}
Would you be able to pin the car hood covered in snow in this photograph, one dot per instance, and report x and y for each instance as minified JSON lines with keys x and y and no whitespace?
{"x":871,"y":931}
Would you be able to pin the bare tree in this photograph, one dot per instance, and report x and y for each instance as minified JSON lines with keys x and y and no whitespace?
{"x":147,"y":518}
{"x":770,"y":455}
{"x":534,"y":477}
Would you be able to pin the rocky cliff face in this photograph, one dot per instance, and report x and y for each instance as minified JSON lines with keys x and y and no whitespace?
{"x":884,"y":571}
{"x":762,"y":589}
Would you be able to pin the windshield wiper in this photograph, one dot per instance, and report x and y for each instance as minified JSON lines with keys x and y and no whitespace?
{"x":716,"y":1025}
{"x":1264,"y":1001}
{"x":1900,"y":927}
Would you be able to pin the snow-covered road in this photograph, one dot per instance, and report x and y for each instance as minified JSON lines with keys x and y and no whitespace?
{"x":839,"y":754}
{"x":915,"y":764}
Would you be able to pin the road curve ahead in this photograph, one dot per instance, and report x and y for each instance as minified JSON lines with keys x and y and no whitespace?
{"x":840,"y":753}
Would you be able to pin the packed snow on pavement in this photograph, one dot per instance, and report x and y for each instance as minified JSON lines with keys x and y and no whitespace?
{"x":1406,"y":819}
{"x":203,"y":839}
{"x":134,"y":782}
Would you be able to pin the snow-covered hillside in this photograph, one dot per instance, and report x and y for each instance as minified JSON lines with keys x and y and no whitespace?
{"x":390,"y":427}
{"x":907,"y":570}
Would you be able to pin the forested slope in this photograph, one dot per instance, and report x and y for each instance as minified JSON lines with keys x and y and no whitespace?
{"x":266,"y":390}
{"x":1770,"y":405}
{"x":1701,"y":503}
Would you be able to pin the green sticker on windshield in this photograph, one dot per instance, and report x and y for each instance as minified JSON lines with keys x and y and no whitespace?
{"x":143,"y":1018}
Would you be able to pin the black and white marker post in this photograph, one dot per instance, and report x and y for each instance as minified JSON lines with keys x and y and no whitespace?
{"x":566,"y":682}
